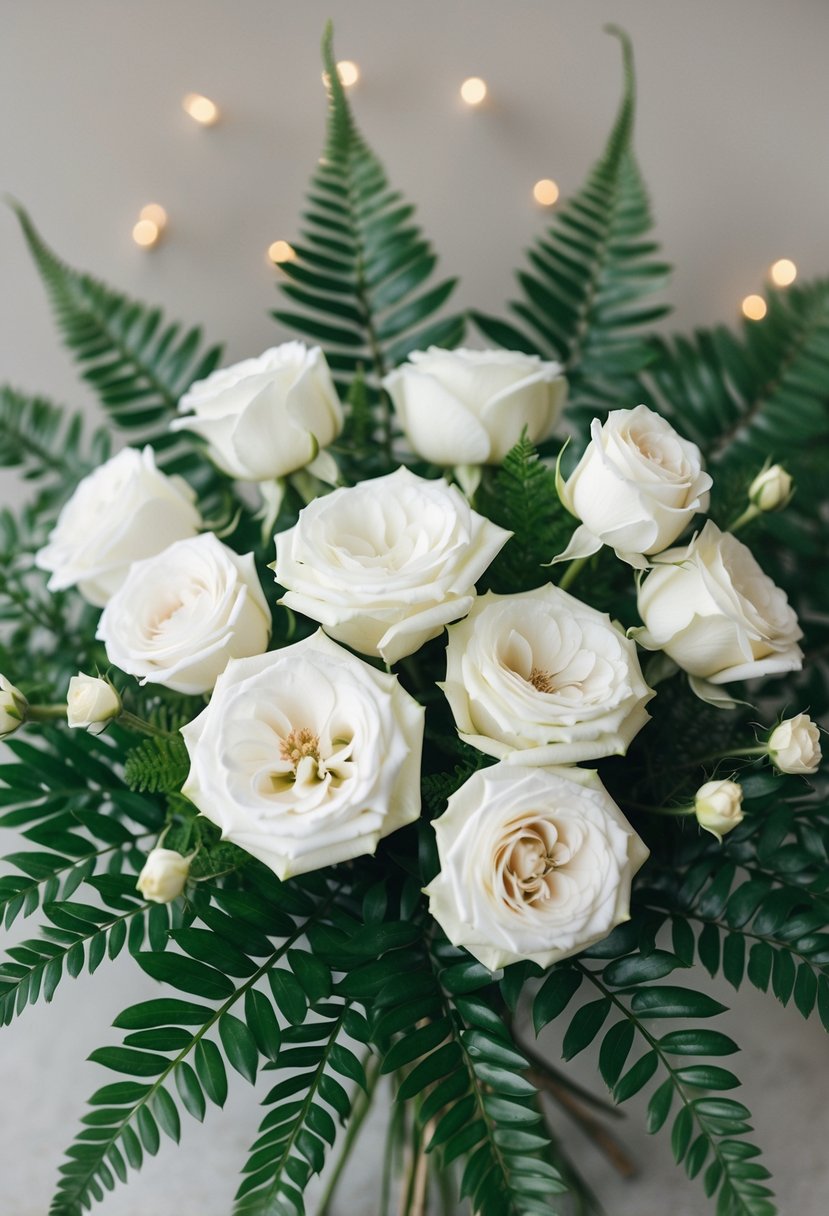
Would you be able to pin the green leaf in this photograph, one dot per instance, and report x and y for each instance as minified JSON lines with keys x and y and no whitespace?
{"x":127,"y":1060}
{"x":585,"y":1025}
{"x":211,"y":1072}
{"x":240,"y":1046}
{"x":664,"y":1001}
{"x":288,"y":994}
{"x":636,"y":1077}
{"x":186,"y":974}
{"x":554,"y":995}
{"x":262,"y":1023}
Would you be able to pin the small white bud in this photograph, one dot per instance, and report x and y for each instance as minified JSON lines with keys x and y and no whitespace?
{"x":718,"y":807}
{"x":771,"y":489}
{"x":91,"y":703}
{"x":794,"y":745}
{"x":13,"y":706}
{"x":164,"y":875}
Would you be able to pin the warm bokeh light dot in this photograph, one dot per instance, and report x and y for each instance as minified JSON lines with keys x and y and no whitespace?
{"x":754,"y":307}
{"x":146,"y":234}
{"x":281,"y":251}
{"x":545,"y":192}
{"x":155,"y":213}
{"x":201,"y":109}
{"x":783,"y":272}
{"x":473,"y":90}
{"x":348,"y":72}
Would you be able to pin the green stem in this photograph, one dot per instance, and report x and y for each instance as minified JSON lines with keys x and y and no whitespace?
{"x":751,"y":512}
{"x":361,"y":1107}
{"x":408,"y":1205}
{"x":133,"y":722}
{"x":393,"y":1134}
{"x":572,"y":572}
{"x":45,"y":713}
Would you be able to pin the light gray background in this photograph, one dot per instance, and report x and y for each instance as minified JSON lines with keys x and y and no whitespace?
{"x":732,"y":140}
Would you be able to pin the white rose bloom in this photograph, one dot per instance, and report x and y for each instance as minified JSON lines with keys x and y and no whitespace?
{"x":535,"y":864}
{"x":385,"y":564}
{"x":467,"y":407}
{"x":163,"y":876}
{"x":718,"y":807}
{"x":636,"y":487}
{"x":541,"y":678}
{"x":91,"y":703}
{"x":794,"y":745}
{"x":306,"y":756}
{"x":180,"y":616}
{"x":712,"y":610}
{"x":267,"y":417}
{"x":13,"y":707}
{"x":125,"y":511}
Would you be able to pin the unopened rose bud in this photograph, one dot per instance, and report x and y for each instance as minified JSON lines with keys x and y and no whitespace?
{"x":718,"y":807}
{"x":771,"y":489}
{"x":91,"y":703}
{"x":794,"y":745}
{"x":163,"y":876}
{"x":13,"y":706}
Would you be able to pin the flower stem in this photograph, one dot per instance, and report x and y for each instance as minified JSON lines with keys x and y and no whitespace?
{"x":751,"y":512}
{"x":133,"y":722}
{"x":572,"y":572}
{"x":45,"y":713}
{"x":361,"y":1107}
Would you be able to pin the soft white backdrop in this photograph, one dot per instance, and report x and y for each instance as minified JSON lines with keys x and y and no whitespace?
{"x":731,"y":136}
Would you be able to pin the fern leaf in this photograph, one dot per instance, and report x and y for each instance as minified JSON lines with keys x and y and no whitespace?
{"x":158,"y":765}
{"x":363,"y":268}
{"x":45,"y":442}
{"x":587,"y":290}
{"x":137,"y":364}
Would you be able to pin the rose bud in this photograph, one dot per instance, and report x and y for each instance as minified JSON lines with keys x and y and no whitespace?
{"x":13,"y":706}
{"x":91,"y":704}
{"x":164,"y":876}
{"x":771,"y":489}
{"x":794,"y":746}
{"x":718,"y":807}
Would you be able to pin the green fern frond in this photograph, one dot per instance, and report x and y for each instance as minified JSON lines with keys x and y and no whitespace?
{"x":45,"y":442}
{"x":758,"y":395}
{"x":137,"y":364}
{"x":591,"y":275}
{"x":363,"y":268}
{"x":158,"y":765}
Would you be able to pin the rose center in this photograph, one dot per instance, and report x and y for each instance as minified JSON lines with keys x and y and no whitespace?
{"x":299,"y":745}
{"x":530,"y":868}
{"x":542,"y":680}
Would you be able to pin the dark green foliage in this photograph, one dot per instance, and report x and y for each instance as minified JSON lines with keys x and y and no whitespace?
{"x":626,"y":1017}
{"x":362,"y":271}
{"x":585,"y":297}
{"x":138,"y":365}
{"x":159,"y":765}
{"x":522,"y":497}
{"x":47,"y":444}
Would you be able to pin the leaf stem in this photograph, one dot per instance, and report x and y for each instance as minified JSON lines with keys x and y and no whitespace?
{"x":572,"y":572}
{"x":361,"y":1107}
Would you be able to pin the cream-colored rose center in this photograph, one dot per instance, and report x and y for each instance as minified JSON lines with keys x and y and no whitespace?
{"x":542,"y":680}
{"x":301,"y":749}
{"x":528,"y":863}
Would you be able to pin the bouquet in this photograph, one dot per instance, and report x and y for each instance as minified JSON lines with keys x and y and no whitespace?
{"x":390,"y":700}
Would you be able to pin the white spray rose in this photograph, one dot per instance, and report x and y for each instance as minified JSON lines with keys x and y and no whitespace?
{"x":267,"y":417}
{"x":535,"y":864}
{"x":771,"y":489}
{"x":541,"y":678}
{"x":384,"y":565}
{"x":163,"y":876}
{"x":13,"y":706}
{"x":467,"y":407}
{"x":636,"y":487}
{"x":712,"y":610}
{"x":180,"y":616}
{"x":718,"y":807}
{"x":306,"y":756}
{"x":125,"y":511}
{"x":794,"y":745}
{"x":91,"y":703}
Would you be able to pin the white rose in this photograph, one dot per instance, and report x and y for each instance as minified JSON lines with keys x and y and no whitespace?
{"x":771,"y":489}
{"x":718,"y":807}
{"x":306,"y":756}
{"x":164,"y":876}
{"x":541,"y":678}
{"x":267,"y":417}
{"x":384,"y":565}
{"x":712,"y":610}
{"x":180,"y":616}
{"x":13,"y":706}
{"x":794,"y":745}
{"x":636,"y":487}
{"x":461,"y":407}
{"x":124,"y":511}
{"x":535,"y":864}
{"x":91,"y":703}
